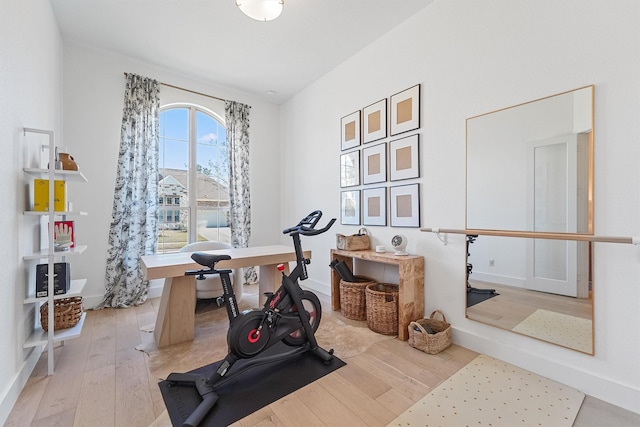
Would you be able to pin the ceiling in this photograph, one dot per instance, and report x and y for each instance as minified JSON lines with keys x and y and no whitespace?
{"x":212,"y":41}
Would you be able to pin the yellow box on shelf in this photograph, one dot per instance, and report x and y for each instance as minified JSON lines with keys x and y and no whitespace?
{"x":41,"y":195}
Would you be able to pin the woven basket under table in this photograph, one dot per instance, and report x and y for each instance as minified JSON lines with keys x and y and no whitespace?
{"x":430,"y":343}
{"x":66,"y":313}
{"x":352,"y":298}
{"x":382,"y":308}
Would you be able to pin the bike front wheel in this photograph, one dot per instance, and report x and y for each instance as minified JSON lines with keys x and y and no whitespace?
{"x":311,"y":304}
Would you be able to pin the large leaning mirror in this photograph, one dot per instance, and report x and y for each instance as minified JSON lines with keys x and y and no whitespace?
{"x":530,"y":170}
{"x":529,"y":167}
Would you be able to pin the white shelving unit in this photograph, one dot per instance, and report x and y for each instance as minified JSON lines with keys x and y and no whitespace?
{"x":39,"y":337}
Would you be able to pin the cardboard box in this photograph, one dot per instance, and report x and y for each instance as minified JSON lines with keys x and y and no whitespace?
{"x":61,"y":281}
{"x":41,"y":195}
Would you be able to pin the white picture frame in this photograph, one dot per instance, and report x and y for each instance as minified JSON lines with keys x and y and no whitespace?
{"x":350,"y":207}
{"x":404,"y":205}
{"x":350,"y":169}
{"x":374,"y":164}
{"x":350,"y":131}
{"x":374,"y":206}
{"x":405,"y":110}
{"x":404,"y":158}
{"x":374,"y":121}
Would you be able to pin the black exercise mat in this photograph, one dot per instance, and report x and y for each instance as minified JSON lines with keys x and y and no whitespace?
{"x":474,"y":298}
{"x":249,"y":391}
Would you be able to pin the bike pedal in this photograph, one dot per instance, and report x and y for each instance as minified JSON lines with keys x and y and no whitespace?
{"x":268,"y":294}
{"x":220,"y":301}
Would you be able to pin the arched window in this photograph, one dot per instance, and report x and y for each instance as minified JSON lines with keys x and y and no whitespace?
{"x":193,"y":181}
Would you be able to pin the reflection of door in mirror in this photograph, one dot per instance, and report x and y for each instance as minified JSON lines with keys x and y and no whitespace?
{"x":556,"y":196}
{"x":522,"y":305}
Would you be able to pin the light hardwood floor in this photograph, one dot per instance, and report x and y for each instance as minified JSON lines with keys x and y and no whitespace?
{"x":102,"y":380}
{"x":514,"y":304}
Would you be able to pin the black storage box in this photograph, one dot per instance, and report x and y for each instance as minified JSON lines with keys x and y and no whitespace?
{"x":62,"y":279}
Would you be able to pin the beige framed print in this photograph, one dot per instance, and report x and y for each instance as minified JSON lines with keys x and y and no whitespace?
{"x":374,"y":206}
{"x":350,"y":169}
{"x":350,"y":207}
{"x":404,"y":205}
{"x":404,"y":158}
{"x":405,"y":110}
{"x":350,"y":130}
{"x":374,"y":164}
{"x":374,"y":119}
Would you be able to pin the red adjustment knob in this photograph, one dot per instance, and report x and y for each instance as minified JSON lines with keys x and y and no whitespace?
{"x":280,"y":267}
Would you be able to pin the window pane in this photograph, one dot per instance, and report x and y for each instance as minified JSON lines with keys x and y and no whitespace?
{"x":212,"y":180}
{"x":173,"y":178}
{"x":172,"y":230}
{"x":211,"y":196}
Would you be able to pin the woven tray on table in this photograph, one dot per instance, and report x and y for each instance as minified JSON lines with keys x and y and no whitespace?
{"x":352,"y":298}
{"x":66,"y":313}
{"x":382,"y":308}
{"x":430,"y":343}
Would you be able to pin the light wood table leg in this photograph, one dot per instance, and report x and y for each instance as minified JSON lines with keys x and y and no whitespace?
{"x":176,"y":317}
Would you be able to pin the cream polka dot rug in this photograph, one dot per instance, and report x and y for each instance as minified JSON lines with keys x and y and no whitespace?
{"x":569,"y":331}
{"x":489,"y":392}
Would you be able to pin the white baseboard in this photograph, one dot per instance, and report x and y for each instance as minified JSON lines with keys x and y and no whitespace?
{"x":589,"y":383}
{"x":316,"y":286}
{"x":11,"y":393}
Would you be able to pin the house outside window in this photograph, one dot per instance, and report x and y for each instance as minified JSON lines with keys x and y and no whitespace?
{"x":193,"y":177}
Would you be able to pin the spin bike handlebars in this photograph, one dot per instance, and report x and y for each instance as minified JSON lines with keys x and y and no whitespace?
{"x":306,"y":226}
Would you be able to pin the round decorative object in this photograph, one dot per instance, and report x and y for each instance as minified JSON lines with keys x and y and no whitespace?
{"x":399,"y":243}
{"x":68,"y":163}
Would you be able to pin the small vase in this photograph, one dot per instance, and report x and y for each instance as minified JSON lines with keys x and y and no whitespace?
{"x":68,"y":163}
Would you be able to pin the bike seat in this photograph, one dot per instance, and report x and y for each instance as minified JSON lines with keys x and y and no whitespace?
{"x":208,"y":260}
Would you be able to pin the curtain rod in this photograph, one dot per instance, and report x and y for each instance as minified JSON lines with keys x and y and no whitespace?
{"x":536,"y":235}
{"x":188,"y":90}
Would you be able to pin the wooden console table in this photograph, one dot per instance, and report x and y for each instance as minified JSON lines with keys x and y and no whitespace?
{"x":176,"y":316}
{"x":411,"y":286}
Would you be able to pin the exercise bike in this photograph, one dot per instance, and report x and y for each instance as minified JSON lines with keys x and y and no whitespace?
{"x":290,"y":315}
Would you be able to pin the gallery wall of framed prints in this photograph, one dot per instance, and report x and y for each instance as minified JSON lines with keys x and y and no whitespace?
{"x":380,"y":162}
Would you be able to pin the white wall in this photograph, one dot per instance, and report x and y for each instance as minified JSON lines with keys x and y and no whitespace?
{"x":31,"y":96}
{"x":93,"y":100}
{"x":470,"y":58}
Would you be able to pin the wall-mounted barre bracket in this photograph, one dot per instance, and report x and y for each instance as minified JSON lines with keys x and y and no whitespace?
{"x":537,"y":235}
{"x":436,"y":231}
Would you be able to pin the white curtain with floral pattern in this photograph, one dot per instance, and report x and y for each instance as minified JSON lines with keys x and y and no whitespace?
{"x":133,"y":231}
{"x":237,"y":123}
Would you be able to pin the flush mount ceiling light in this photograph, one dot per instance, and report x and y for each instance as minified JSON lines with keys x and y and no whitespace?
{"x":261,"y":10}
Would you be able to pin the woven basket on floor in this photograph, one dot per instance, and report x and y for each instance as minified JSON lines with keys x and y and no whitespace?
{"x":382,"y":308}
{"x":430,"y":343}
{"x":352,"y":298}
{"x":66,"y":313}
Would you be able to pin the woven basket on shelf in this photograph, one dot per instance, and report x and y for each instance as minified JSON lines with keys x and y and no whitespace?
{"x":66,"y":313}
{"x":382,"y":308}
{"x":430,"y":343}
{"x":352,"y":298}
{"x":355,"y":242}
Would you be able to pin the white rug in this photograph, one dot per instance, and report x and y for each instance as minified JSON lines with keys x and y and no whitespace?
{"x":489,"y":392}
{"x":568,"y":331}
